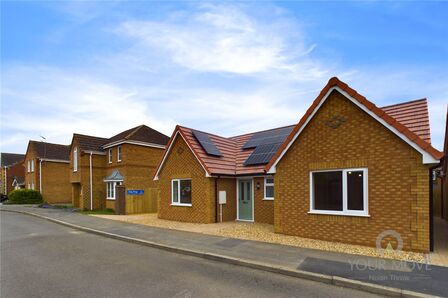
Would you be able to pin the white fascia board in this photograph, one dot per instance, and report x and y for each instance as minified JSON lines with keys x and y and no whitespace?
{"x":426,"y":157}
{"x":94,"y":152}
{"x":158,"y":146}
{"x":55,"y":160}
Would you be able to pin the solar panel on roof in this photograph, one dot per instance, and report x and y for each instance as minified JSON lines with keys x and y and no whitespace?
{"x":206,"y":143}
{"x":262,"y":154}
{"x":268,"y":137}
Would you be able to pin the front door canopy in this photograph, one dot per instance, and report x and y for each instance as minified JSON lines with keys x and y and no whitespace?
{"x":115,"y":176}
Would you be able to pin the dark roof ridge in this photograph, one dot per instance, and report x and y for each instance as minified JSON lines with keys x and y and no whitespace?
{"x":134,"y":130}
{"x":83,"y":135}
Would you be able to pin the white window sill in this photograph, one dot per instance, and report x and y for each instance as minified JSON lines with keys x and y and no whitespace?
{"x":181,"y":205}
{"x":337,"y":213}
{"x":110,"y":199}
{"x":268,"y":199}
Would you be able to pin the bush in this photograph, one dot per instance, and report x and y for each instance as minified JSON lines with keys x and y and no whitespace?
{"x":24,"y":196}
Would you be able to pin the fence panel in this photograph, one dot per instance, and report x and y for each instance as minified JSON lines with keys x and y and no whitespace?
{"x":145,"y":203}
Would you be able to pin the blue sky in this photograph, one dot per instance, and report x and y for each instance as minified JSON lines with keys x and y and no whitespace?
{"x":100,"y":67}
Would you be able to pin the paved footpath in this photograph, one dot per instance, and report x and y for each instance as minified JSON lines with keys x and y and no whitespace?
{"x":393,"y":277}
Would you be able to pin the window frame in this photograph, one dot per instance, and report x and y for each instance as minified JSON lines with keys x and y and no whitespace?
{"x":178,"y":203}
{"x":110,"y":155}
{"x":32,"y":166}
{"x":118,"y":153}
{"x":29,"y":166}
{"x":345,"y":211}
{"x":266,"y":184}
{"x":112,"y":190}
{"x":75,"y":159}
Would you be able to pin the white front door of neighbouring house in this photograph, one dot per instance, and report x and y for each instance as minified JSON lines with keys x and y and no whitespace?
{"x":245,"y":200}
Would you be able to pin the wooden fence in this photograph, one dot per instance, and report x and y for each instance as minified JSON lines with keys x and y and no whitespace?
{"x":146,"y":203}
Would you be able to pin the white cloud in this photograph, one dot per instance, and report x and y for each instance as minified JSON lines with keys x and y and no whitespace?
{"x":50,"y":102}
{"x":224,"y":38}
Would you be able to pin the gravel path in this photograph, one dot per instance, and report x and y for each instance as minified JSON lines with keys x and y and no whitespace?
{"x":261,"y":232}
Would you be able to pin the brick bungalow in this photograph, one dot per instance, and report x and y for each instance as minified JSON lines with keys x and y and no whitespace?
{"x":346,"y":172}
{"x":46,"y":170}
{"x":11,"y":168}
{"x":124,"y":159}
{"x":190,"y":179}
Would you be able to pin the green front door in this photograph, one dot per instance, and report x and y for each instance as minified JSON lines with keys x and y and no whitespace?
{"x":245,"y":197}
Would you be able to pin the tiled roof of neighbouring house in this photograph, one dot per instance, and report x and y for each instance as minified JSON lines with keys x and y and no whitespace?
{"x":233,"y":159}
{"x":51,"y":151}
{"x":140,"y":133}
{"x":412,"y":114}
{"x":8,"y":159}
{"x":89,"y":143}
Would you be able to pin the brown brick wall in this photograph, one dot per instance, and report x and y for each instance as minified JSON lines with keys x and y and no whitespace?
{"x":31,"y":177}
{"x":138,"y":165}
{"x":397,"y":180}
{"x":263,"y":209}
{"x":228,"y":209}
{"x":181,"y":163}
{"x":56,"y":187}
{"x":81,"y":181}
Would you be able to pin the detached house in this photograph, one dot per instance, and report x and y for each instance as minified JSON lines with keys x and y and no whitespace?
{"x":47,"y":170}
{"x":99,"y":165}
{"x":347,"y":172}
{"x":87,"y":170}
{"x":11,"y":170}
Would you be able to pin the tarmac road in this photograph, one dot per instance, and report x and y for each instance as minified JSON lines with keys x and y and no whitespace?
{"x":44,"y":259}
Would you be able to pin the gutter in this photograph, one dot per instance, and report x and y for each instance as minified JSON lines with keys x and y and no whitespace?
{"x":91,"y":183}
{"x":6,"y":181}
{"x":40,"y":175}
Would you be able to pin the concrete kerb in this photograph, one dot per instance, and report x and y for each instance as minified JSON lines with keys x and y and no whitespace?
{"x":328,"y":279}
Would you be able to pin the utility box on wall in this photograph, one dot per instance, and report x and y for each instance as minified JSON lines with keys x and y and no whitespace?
{"x":222,"y":197}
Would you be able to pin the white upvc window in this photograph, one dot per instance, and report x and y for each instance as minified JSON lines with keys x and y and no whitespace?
{"x":75,"y":159}
{"x":110,"y":155}
{"x":181,"y":192}
{"x":268,"y":188}
{"x":29,"y":186}
{"x":118,"y":153}
{"x":32,"y":165}
{"x":339,"y":192}
{"x":32,"y":186}
{"x":29,"y":166}
{"x":110,"y":189}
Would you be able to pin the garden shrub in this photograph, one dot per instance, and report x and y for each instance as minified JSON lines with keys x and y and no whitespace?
{"x":24,"y":196}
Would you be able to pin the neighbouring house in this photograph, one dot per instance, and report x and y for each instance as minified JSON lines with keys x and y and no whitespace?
{"x":19,"y":182}
{"x":347,"y":172}
{"x":87,"y":171}
{"x":11,"y":168}
{"x":47,"y":170}
{"x":125,"y":159}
